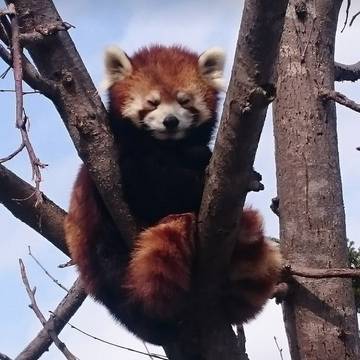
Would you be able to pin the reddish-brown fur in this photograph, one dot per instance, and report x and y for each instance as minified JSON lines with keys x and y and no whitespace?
{"x":182,"y":73}
{"x":147,"y":288}
{"x":159,"y":274}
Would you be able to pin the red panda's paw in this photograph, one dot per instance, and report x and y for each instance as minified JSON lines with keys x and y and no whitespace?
{"x":159,"y":273}
{"x":254,"y":271}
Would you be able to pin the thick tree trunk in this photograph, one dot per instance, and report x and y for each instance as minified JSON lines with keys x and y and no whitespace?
{"x":320,"y":315}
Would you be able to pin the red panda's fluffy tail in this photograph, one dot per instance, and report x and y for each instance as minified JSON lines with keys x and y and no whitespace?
{"x":159,"y":274}
{"x":254,"y":270}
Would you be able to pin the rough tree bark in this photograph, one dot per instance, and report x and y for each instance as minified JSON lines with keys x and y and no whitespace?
{"x":320,"y":316}
{"x":207,"y":335}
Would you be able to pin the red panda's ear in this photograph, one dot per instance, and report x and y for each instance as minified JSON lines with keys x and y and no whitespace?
{"x":117,"y":66}
{"x":211,"y":65}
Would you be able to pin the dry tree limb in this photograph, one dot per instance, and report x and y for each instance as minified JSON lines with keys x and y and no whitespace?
{"x":21,"y":118}
{"x":279,"y":348}
{"x":24,"y":92}
{"x":31,"y":293}
{"x":347,"y":72}
{"x":57,"y":321}
{"x":13,"y":154}
{"x":47,"y":218}
{"x":290,"y":270}
{"x":340,"y":99}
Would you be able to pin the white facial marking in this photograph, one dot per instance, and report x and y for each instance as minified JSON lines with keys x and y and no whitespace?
{"x":155,"y":121}
{"x":158,"y":111}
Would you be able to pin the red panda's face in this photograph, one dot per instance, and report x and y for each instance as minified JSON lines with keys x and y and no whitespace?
{"x":164,"y":91}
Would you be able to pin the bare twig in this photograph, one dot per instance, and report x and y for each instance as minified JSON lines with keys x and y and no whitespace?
{"x":157,"y":356}
{"x":67,"y":264}
{"x":24,"y":92}
{"x":354,"y":17}
{"x":31,"y":293}
{"x":30,"y":74}
{"x":340,"y":99}
{"x":290,"y":270}
{"x":43,"y":31}
{"x":280,"y":349}
{"x":3,"y":75}
{"x":56,"y":322}
{"x":21,"y":118}
{"x":347,"y":14}
{"x":347,"y":72}
{"x":57,"y":282}
{"x":12,"y":155}
{"x":147,"y":350}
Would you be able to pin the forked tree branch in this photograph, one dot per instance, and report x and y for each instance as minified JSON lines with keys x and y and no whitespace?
{"x":47,"y":218}
{"x":57,"y":321}
{"x":50,"y":331}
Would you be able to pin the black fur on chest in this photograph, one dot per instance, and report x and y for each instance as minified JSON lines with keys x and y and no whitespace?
{"x":162,"y":177}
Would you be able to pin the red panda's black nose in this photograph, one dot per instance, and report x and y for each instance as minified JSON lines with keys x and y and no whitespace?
{"x":171,"y":122}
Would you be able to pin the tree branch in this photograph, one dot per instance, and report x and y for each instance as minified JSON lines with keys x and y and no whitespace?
{"x":229,"y":173}
{"x":80,"y":107}
{"x":57,"y":321}
{"x":347,"y":72}
{"x":31,"y":293}
{"x":340,"y":99}
{"x":21,"y":118}
{"x":320,"y":273}
{"x":47,"y":218}
{"x":30,"y":74}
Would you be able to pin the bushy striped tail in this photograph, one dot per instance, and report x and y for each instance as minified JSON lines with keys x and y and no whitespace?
{"x":159,"y":274}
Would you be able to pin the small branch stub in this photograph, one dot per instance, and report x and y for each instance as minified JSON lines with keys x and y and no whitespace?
{"x":289,"y":270}
{"x":340,"y":99}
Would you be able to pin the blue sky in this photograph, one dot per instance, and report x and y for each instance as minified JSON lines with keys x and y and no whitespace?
{"x":131,"y":24}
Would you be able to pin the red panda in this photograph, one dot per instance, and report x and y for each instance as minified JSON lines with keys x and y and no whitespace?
{"x":162,"y":110}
